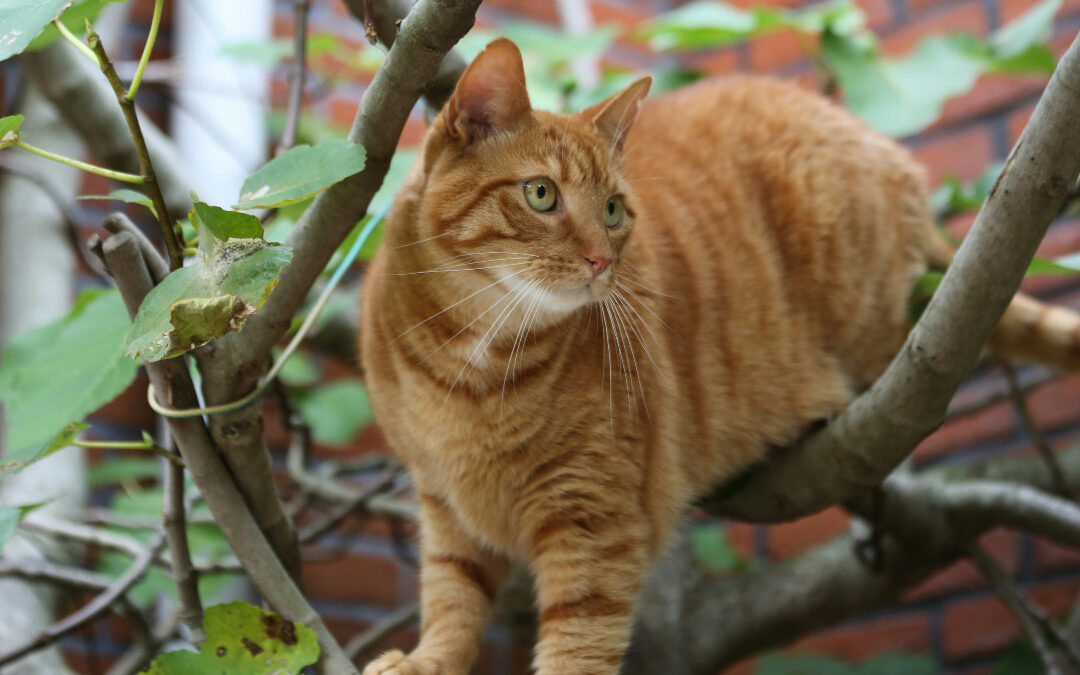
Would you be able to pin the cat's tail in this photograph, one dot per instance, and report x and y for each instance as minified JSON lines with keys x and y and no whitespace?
{"x":1030,"y":330}
{"x":1034,"y":331}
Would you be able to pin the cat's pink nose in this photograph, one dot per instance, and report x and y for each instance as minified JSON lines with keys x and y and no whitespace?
{"x":597,"y":264}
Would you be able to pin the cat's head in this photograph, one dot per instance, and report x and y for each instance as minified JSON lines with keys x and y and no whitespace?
{"x":523,"y":199}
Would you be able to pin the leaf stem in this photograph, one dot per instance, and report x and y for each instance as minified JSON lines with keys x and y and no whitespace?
{"x":150,"y":38}
{"x":101,"y":171}
{"x":132,"y":445}
{"x":174,"y":241}
{"x":70,"y":37}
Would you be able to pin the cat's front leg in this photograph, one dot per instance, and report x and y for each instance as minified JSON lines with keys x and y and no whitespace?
{"x":458,"y":582}
{"x":589,"y":570}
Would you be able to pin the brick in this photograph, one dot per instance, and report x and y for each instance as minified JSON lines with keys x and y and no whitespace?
{"x":1002,"y":545}
{"x":545,"y":12}
{"x":984,"y":625}
{"x":741,"y":536}
{"x":626,"y":17}
{"x":1053,"y":557}
{"x":857,"y":641}
{"x":789,"y":539}
{"x":714,"y":62}
{"x":968,"y":17}
{"x":1013,"y":9}
{"x":994,"y":422}
{"x":879,"y":13}
{"x":1017,"y":120}
{"x":776,"y":50}
{"x":977,"y":627}
{"x":1057,"y":403}
{"x":991,"y":94}
{"x":353,"y":577}
{"x":965,"y":153}
{"x":130,"y":408}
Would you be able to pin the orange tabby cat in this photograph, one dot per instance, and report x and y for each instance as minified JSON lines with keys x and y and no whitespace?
{"x":578,"y":323}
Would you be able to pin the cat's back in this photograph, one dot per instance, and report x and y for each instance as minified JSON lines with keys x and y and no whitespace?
{"x":784,"y":234}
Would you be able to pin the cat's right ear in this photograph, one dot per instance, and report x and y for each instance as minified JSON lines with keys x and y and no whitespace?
{"x":490,"y":97}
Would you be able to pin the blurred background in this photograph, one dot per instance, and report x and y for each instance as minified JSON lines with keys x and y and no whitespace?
{"x":954,"y":80}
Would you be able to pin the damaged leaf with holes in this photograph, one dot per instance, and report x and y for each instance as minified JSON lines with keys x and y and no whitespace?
{"x":228,"y":280}
{"x":244,"y":640}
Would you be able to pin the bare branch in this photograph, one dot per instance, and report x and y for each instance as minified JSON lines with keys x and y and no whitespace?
{"x":1038,"y":438}
{"x":296,"y":76}
{"x":89,"y":107}
{"x":174,"y":242}
{"x":73,"y":577}
{"x":881,"y":427}
{"x":386,"y":15}
{"x":1033,"y":622}
{"x":92,"y":609}
{"x":141,"y":652}
{"x":174,"y":520}
{"x":172,"y":381}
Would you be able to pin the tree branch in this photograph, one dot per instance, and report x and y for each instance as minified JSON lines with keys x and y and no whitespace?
{"x":174,"y":520}
{"x":395,"y":620}
{"x":92,"y":609}
{"x":296,"y":76}
{"x":881,"y":427}
{"x":172,"y":381}
{"x":88,"y":106}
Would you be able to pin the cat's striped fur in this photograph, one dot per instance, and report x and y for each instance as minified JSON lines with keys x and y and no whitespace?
{"x":758,"y":281}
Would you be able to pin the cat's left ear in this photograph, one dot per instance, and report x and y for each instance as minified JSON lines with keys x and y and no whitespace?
{"x":614,"y":116}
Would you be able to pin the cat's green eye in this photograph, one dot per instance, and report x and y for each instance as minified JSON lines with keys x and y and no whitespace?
{"x":613,"y":211}
{"x":540,"y":193}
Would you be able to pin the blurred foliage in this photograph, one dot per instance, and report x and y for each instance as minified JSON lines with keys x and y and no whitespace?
{"x":808,"y":664}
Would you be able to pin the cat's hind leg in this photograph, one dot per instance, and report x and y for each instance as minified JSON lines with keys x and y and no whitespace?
{"x":458,"y":582}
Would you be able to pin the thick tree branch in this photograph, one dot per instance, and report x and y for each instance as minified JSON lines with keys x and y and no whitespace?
{"x":685,"y":617}
{"x":387,"y":15}
{"x":881,"y":427}
{"x":172,"y":381}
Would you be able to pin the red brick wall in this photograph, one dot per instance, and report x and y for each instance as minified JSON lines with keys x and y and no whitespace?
{"x":354,"y":577}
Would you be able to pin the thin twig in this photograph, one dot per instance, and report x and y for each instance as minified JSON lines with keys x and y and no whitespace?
{"x":95,"y":607}
{"x":174,"y":520}
{"x":1038,"y":438}
{"x":174,"y":240}
{"x":390,"y":623}
{"x":1033,"y":621}
{"x":296,"y":76}
{"x":72,"y":577}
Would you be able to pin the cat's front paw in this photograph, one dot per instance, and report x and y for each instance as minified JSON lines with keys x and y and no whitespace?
{"x":396,"y":663}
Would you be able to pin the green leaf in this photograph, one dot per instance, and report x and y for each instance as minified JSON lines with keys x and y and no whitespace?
{"x":125,"y":195}
{"x":67,"y":369}
{"x":225,"y":224}
{"x":802,"y":664}
{"x":336,"y":412}
{"x":20,"y":458}
{"x":9,"y":130}
{"x":22,"y":21}
{"x":1019,"y":659}
{"x":1043,"y":266}
{"x":74,"y":17}
{"x":899,"y":97}
{"x":898,"y":664}
{"x":1031,"y":28}
{"x":299,"y":371}
{"x":301,"y":172}
{"x":924,"y":289}
{"x":243,"y":640}
{"x":713,"y":550}
{"x":9,"y":520}
{"x":227,"y":282}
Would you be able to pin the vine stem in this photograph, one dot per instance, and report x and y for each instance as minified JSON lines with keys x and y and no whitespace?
{"x":70,"y":37}
{"x":90,"y":168}
{"x":145,"y":58}
{"x":132,"y":445}
{"x":174,"y":241}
